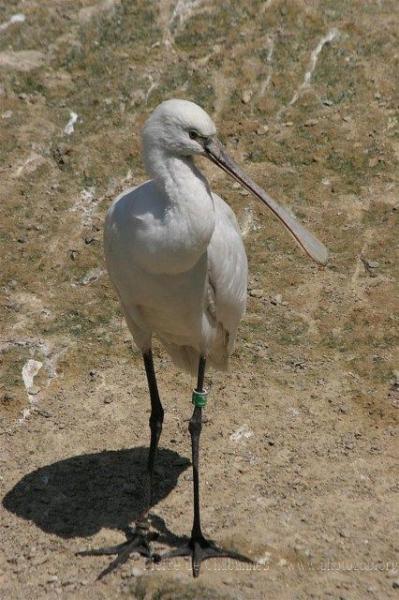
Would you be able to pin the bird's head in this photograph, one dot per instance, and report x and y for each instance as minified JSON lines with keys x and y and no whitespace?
{"x":179,"y":128}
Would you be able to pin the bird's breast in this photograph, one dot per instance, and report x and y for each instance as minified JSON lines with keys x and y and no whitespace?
{"x":172,"y":246}
{"x":157,"y":235}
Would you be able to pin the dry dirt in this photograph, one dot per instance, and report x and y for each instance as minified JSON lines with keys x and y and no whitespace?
{"x":300,"y":453}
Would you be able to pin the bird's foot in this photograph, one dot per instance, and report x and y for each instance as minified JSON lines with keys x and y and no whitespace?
{"x":138,"y":542}
{"x":200,"y":549}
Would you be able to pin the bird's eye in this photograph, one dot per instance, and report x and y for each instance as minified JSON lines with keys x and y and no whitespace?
{"x":193,"y":134}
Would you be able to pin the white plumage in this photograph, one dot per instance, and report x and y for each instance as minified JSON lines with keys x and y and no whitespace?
{"x":174,"y":250}
{"x":175,"y":256}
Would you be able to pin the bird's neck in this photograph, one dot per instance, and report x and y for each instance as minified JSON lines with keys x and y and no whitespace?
{"x":176,"y":175}
{"x":186,"y":192}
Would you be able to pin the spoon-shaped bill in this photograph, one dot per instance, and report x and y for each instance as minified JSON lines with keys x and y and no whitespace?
{"x":312,"y":246}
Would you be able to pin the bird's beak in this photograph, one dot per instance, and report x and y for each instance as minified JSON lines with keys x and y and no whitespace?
{"x":215,"y":151}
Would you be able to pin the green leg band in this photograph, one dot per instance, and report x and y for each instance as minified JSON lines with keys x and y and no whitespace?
{"x":199,"y":398}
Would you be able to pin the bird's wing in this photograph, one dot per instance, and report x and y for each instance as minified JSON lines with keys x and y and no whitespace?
{"x":227,"y":271}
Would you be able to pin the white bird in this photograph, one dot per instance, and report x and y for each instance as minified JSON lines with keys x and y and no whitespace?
{"x":175,"y":256}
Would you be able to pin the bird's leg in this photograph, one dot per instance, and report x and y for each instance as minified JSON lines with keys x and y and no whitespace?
{"x":195,"y":428}
{"x":139,"y":537}
{"x":156,"y":421}
{"x":198,"y":547}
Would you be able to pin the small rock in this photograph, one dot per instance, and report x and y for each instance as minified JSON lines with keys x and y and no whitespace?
{"x":91,"y":276}
{"x":373,"y":162}
{"x":311,"y":122}
{"x":108,"y":400}
{"x":45,"y":413}
{"x":7,"y":398}
{"x":256,"y":293}
{"x":38,"y":560}
{"x":372,"y":264}
{"x":327,"y":102}
{"x":90,"y":240}
{"x":262,"y":130}
{"x":395,"y":584}
{"x":243,"y":432}
{"x":22,"y":60}
{"x":34,"y":390}
{"x":52,"y":579}
{"x":246,"y":96}
{"x":277,"y":299}
{"x":137,"y":572}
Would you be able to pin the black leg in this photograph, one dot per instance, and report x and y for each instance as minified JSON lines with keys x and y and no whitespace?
{"x":198,"y":547}
{"x":195,"y":427}
{"x":156,"y":421}
{"x":140,"y":537}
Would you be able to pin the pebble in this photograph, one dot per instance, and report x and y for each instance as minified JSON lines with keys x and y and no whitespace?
{"x":246,"y":96}
{"x":262,"y":130}
{"x":372,"y":264}
{"x":34,"y":390}
{"x":45,"y":413}
{"x":256,"y":293}
{"x":395,"y":584}
{"x":52,"y":579}
{"x":108,"y":400}
{"x":7,"y":397}
{"x":277,"y":299}
{"x":90,"y":240}
{"x":137,"y":572}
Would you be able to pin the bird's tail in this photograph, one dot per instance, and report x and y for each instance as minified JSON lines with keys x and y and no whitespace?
{"x":187,"y":358}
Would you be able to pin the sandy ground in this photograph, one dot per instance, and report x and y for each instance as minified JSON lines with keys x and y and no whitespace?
{"x":300,"y":452}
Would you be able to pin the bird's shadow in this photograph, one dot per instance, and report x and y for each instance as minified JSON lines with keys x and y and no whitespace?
{"x":78,"y":496}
